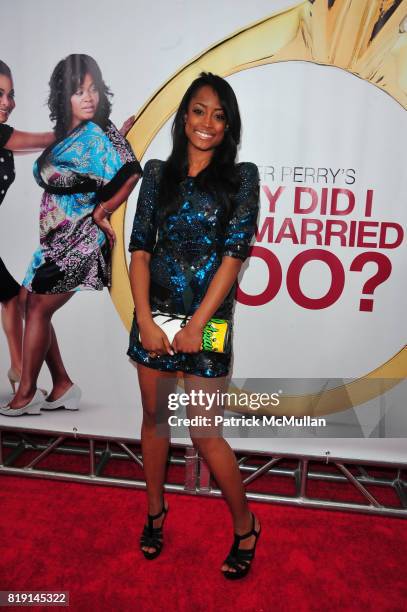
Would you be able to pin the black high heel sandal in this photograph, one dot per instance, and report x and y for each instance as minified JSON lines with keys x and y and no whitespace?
{"x":240,"y":560}
{"x":152,"y":537}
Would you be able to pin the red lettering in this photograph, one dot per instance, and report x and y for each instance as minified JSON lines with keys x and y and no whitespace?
{"x":334,"y":202}
{"x":297,"y":202}
{"x":363,"y":233}
{"x":337,"y":280}
{"x":383,"y":244}
{"x":369,"y":203}
{"x":268,"y":226}
{"x":308,"y":230}
{"x":275,"y":278}
{"x":340,"y":232}
{"x":272,"y":198}
{"x":290,"y":233}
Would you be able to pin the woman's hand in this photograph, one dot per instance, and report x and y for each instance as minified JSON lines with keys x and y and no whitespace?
{"x":153,"y":339}
{"x":127,"y":125}
{"x":102,"y":220}
{"x":188,"y":339}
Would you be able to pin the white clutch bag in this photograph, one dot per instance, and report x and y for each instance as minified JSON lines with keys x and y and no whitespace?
{"x":216,"y":335}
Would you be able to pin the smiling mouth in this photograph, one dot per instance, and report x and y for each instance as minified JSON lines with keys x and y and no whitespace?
{"x":204,"y":135}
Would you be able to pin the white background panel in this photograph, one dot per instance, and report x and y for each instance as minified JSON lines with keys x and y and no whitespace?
{"x":293,"y":114}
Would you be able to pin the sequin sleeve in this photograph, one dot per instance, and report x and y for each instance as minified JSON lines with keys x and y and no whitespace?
{"x":143,"y":235}
{"x":242,"y":224}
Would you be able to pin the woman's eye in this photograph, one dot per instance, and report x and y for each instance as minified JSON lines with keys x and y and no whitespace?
{"x":79,"y":92}
{"x":197,"y":111}
{"x":220,"y":117}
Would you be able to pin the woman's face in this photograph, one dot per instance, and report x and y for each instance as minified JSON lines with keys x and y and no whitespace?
{"x":7,"y":102}
{"x":84,"y":102}
{"x":205,"y":121}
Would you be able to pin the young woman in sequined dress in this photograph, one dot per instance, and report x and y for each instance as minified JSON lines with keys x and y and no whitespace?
{"x":195,"y":219}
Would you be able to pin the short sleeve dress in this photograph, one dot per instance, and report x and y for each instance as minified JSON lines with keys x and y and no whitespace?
{"x":9,"y":287}
{"x":88,"y":166}
{"x":186,"y":251}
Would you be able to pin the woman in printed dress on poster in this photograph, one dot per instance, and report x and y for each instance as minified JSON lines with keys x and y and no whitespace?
{"x":86,"y":175}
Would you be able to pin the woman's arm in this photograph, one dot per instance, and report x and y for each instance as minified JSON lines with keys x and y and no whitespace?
{"x":102,"y":212}
{"x":29,"y":142}
{"x":152,"y":337}
{"x":189,"y":339}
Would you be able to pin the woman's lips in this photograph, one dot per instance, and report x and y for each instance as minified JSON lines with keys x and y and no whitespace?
{"x":203,"y":135}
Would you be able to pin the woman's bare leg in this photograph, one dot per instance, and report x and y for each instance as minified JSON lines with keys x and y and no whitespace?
{"x":220,"y":458}
{"x":12,"y":321}
{"x":37,"y":341}
{"x":154,"y":445}
{"x":60,"y":379}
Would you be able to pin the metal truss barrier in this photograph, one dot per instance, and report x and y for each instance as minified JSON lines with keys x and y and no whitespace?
{"x":23,"y":451}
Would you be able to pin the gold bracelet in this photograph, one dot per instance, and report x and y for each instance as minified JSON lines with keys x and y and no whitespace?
{"x":108,"y":212}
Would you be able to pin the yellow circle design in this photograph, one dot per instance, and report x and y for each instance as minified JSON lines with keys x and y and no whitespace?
{"x":367,"y":38}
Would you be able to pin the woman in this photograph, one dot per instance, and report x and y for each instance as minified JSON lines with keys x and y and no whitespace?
{"x":12,"y":140}
{"x":86,"y":175}
{"x":204,"y":207}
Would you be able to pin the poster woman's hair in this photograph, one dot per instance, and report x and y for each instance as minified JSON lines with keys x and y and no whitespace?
{"x":4,"y":69}
{"x":66,"y":79}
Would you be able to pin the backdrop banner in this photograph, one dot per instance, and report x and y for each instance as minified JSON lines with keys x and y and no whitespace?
{"x":319,"y":318}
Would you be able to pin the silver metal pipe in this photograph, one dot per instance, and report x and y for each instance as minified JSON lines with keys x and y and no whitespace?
{"x":304,"y":476}
{"x":276,"y":471}
{"x":175,"y":488}
{"x":92,"y":457}
{"x":286,"y":455}
{"x":130,"y":454}
{"x":44,"y":453}
{"x":358,"y":485}
{"x":262,"y":470}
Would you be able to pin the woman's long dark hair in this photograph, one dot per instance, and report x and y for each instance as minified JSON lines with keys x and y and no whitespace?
{"x":66,"y":78}
{"x":220,"y":176}
{"x":5,"y":70}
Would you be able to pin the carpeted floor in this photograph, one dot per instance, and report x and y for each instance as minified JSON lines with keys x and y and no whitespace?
{"x":84,"y":539}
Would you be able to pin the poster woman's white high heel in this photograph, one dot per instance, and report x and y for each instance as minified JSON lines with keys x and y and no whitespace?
{"x":14,"y":378}
{"x":33,"y":407}
{"x":69,"y":400}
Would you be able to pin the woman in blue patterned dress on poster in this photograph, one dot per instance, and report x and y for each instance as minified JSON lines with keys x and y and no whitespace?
{"x":86,"y":174}
{"x":195,"y":218}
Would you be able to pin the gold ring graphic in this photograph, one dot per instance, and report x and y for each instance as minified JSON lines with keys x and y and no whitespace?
{"x":367,"y":38}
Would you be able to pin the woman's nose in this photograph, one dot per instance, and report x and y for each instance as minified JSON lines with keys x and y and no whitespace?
{"x":207,"y":119}
{"x":4,"y":101}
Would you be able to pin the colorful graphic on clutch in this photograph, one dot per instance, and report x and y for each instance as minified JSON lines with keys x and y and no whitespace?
{"x":215,"y":336}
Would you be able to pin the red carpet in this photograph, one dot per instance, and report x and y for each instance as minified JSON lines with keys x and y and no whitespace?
{"x":84,"y":539}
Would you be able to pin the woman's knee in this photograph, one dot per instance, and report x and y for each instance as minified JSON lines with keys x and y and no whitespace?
{"x":204,"y":442}
{"x":37,"y":307}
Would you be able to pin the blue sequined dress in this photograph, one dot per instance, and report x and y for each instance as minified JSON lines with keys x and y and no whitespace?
{"x":186,"y":250}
